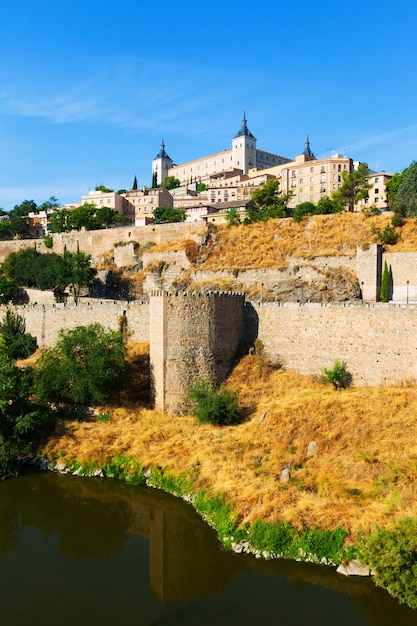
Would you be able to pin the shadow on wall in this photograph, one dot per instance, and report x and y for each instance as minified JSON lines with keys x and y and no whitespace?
{"x":250,"y":327}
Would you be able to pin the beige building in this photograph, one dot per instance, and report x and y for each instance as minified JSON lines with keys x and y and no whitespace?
{"x":243,"y":155}
{"x":110,"y":199}
{"x":142,"y":203}
{"x":377,"y":193}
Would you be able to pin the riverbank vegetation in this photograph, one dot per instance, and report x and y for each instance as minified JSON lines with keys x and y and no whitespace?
{"x":359,"y":477}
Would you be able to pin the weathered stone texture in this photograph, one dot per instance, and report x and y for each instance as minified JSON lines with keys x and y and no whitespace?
{"x":192,"y":336}
{"x":403,"y":266}
{"x":378,"y":342}
{"x":45,"y":321}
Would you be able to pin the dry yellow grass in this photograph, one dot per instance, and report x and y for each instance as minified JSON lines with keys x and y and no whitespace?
{"x":363,"y":474}
{"x":273,"y":243}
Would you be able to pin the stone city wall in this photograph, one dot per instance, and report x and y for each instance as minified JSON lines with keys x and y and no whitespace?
{"x":45,"y":321}
{"x":403,"y":266}
{"x":377,"y":341}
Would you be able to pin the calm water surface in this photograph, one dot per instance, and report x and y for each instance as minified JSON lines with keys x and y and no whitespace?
{"x":90,"y":552}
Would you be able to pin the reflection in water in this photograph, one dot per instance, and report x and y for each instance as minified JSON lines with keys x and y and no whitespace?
{"x":102,"y":552}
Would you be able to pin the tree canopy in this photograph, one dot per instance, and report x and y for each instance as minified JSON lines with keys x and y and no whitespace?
{"x":168,"y":214}
{"x":405,"y":200}
{"x":87,"y":216}
{"x":268,"y":202}
{"x":86,"y":366}
{"x":170,"y":182}
{"x":354,"y":186}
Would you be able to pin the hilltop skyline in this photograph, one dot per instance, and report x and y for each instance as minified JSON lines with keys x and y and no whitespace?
{"x":87,"y":92}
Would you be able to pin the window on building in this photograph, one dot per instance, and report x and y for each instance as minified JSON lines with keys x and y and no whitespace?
{"x":312,"y":188}
{"x":339,"y":168}
{"x":293,"y":183}
{"x":376,"y":191}
{"x":339,"y":178}
{"x":301,"y":181}
{"x":376,"y":199}
{"x":301,"y":172}
{"x":322,"y":179}
{"x":322,"y":169}
{"x":311,"y":179}
{"x":311,"y":169}
{"x":301,"y":190}
{"x":292,"y":173}
{"x":377,"y":179}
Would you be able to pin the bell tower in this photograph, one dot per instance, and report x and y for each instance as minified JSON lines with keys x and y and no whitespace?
{"x":244,"y":148}
{"x":161,"y":165}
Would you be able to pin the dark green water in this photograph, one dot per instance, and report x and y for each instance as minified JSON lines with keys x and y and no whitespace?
{"x":78,"y":551}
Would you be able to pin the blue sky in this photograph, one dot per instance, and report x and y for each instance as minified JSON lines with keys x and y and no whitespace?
{"x":88,"y":88}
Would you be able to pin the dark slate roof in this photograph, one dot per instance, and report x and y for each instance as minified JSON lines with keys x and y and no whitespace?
{"x":162,"y":154}
{"x":244,"y":131}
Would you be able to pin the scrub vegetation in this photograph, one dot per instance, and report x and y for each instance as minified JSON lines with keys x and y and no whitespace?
{"x":359,"y":483}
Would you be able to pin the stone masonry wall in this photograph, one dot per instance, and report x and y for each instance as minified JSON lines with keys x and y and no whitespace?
{"x":192,"y":336}
{"x":45,"y":321}
{"x":378,"y":341}
{"x":403,"y":266}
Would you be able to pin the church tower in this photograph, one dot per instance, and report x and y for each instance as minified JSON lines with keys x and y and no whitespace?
{"x":161,"y":165}
{"x":244,"y":148}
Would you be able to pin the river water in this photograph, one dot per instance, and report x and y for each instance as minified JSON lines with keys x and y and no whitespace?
{"x":81,"y":551}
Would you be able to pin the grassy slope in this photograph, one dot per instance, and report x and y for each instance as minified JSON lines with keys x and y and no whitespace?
{"x":365,"y":469}
{"x":363,"y":473}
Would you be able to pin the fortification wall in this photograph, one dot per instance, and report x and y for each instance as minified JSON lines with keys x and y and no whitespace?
{"x":192,"y":336}
{"x":97,"y":242}
{"x":45,"y":321}
{"x":377,"y":341}
{"x":403,"y":266}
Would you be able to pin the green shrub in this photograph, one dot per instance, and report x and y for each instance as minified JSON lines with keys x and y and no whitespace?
{"x":213,"y":406}
{"x":338,"y":375}
{"x":392,"y":557}
{"x":19,"y":343}
{"x":48,"y":241}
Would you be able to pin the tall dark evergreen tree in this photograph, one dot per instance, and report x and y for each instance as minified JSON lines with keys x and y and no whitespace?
{"x":135,"y":183}
{"x":384,"y":295}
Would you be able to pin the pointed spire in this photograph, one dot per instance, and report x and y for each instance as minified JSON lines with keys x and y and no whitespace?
{"x":162,"y":154}
{"x":244,"y":131}
{"x":307,"y":150}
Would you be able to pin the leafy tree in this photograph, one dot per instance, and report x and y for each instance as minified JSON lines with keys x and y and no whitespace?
{"x":354,"y":186}
{"x":391,"y":188}
{"x":8,"y":290}
{"x":21,"y":227}
{"x":107,"y":216}
{"x":78,"y":271}
{"x":19,"y":343}
{"x":303,"y":209}
{"x":103,"y":188}
{"x":21,"y":418}
{"x":23,"y":209}
{"x":5,"y":230}
{"x":49,"y":205}
{"x":268,"y":202}
{"x":392,"y":556}
{"x":405,"y":202}
{"x":232,"y":217}
{"x":170,"y":182}
{"x":135,"y":183}
{"x":60,"y":221}
{"x":213,"y":406}
{"x":328,"y":206}
{"x":385,"y":291}
{"x":338,"y":375}
{"x":168,"y":214}
{"x":86,"y":366}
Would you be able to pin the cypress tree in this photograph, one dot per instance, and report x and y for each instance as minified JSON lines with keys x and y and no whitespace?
{"x":135,"y":183}
{"x":385,"y":285}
